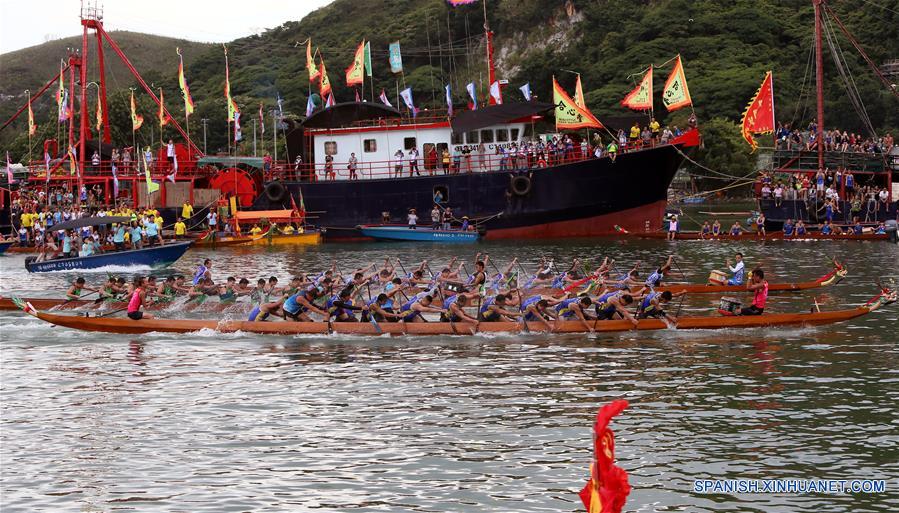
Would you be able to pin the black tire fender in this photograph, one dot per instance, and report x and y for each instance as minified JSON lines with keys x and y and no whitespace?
{"x":520,"y":185}
{"x":275,"y":192}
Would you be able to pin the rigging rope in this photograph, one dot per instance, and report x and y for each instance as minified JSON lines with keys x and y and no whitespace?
{"x":846,"y":74}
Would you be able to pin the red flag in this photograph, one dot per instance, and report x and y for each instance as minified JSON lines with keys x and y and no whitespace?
{"x":357,"y":96}
{"x":607,"y":489}
{"x":759,"y":115}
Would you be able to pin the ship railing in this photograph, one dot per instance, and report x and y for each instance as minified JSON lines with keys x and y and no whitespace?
{"x":61,"y":169}
{"x":807,"y":160}
{"x":474,"y":162}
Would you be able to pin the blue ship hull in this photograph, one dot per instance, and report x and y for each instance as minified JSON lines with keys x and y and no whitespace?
{"x":156,"y":256}
{"x":5,"y":245}
{"x":420,"y":234}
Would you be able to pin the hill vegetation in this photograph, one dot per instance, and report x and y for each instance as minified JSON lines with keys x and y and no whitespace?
{"x":726,"y":45}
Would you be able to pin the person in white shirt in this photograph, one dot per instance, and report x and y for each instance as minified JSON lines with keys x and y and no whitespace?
{"x":413,"y":219}
{"x":738,"y":269}
{"x":398,"y":163}
{"x":413,"y":162}
{"x":170,"y":153}
{"x":212,"y":219}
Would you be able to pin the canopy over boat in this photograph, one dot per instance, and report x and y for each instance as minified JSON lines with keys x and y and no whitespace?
{"x":119,"y":325}
{"x":90,"y":221}
{"x":469,"y":120}
{"x":344,"y":114}
{"x":273,"y":216}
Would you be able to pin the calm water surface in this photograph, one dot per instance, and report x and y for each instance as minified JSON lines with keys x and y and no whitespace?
{"x":212,"y":422}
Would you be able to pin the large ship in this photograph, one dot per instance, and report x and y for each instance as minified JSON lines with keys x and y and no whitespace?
{"x":567,"y":194}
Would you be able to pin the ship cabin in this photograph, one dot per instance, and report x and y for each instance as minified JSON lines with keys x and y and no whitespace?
{"x":477,"y":141}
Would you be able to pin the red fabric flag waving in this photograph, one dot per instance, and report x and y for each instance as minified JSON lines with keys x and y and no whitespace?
{"x":607,"y":489}
{"x":759,"y":116}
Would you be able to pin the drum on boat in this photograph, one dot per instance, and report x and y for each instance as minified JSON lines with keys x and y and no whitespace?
{"x":717,"y":278}
{"x":729,"y":306}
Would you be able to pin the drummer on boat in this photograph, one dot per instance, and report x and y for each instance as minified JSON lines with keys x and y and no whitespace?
{"x":738,"y":269}
{"x":759,"y":287}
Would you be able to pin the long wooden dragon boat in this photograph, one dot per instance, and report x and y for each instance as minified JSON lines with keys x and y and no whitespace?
{"x":831,"y":278}
{"x":755,"y":236}
{"x":125,"y":325}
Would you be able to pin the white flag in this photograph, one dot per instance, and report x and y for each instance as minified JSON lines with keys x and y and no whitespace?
{"x":526,"y":91}
{"x":9,"y":177}
{"x":310,"y":106}
{"x":384,"y":99}
{"x":237,"y":134}
{"x":449,"y":101}
{"x":330,"y":102}
{"x":171,"y":177}
{"x":406,"y":95}
{"x":473,"y":94}
{"x":496,"y":93}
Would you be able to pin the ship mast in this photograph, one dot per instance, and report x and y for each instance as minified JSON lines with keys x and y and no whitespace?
{"x":491,"y":69}
{"x":819,"y":65}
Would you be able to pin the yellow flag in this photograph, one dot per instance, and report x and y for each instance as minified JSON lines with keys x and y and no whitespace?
{"x":676,"y":93}
{"x":310,"y":62}
{"x":569,"y":115}
{"x":641,"y":97}
{"x":324,"y":85}
{"x":579,"y":93}
{"x":355,"y":72}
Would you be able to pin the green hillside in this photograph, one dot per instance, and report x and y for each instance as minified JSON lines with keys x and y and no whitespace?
{"x":726,"y":45}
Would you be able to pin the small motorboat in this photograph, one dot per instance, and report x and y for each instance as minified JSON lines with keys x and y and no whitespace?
{"x":153,"y":256}
{"x":419,"y":234}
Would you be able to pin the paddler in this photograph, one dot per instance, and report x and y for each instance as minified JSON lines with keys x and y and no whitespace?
{"x":573,"y":308}
{"x":759,"y":287}
{"x":613,"y":305}
{"x":494,"y":310}
{"x":455,"y":310}
{"x":203,"y":271}
{"x":651,"y":305}
{"x":655,"y":279}
{"x":138,"y":299}
{"x":110,"y":290}
{"x":536,"y":308}
{"x":77,"y":288}
{"x":165,"y":291}
{"x":341,"y":306}
{"x":378,"y":309}
{"x":413,"y":309}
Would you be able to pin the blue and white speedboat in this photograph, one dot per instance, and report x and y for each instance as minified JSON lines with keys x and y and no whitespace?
{"x":420,"y":234}
{"x":154,"y":256}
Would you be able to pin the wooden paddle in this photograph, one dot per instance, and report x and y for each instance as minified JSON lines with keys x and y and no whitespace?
{"x":371,"y":316}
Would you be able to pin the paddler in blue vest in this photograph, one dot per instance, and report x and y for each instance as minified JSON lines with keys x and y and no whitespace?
{"x":341,"y":306}
{"x":573,"y":309}
{"x":293,"y":307}
{"x":203,"y":271}
{"x":378,"y":309}
{"x":417,"y":305}
{"x":455,"y":310}
{"x":537,"y":309}
{"x":613,"y":305}
{"x":655,"y":279}
{"x":494,"y":309}
{"x":652,"y":303}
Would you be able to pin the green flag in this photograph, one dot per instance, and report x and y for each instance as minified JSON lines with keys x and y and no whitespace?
{"x":368,"y":58}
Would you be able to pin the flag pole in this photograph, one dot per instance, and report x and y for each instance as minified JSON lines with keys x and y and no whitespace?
{"x":28,"y":92}
{"x":254,"y":138}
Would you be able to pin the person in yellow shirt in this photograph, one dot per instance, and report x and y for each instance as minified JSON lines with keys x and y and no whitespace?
{"x":255,"y":230}
{"x":635,"y":132}
{"x":288,"y":230}
{"x":27,"y":220}
{"x":158,"y":220}
{"x":180,"y":229}
{"x":655,"y":128}
{"x":187,"y":210}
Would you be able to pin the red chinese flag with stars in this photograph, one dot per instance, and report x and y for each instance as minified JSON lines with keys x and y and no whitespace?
{"x":607,"y":489}
{"x":759,"y":116}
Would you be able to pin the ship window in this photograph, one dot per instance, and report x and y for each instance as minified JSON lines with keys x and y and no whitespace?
{"x":472,"y":137}
{"x":330,"y":147}
{"x":502,"y":135}
{"x":487,"y":136}
{"x":515,"y":134}
{"x":456,"y":138}
{"x":528,"y":132}
{"x":369,"y":145}
{"x":409,"y":143}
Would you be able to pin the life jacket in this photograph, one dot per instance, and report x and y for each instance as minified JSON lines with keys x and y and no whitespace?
{"x":564,"y":308}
